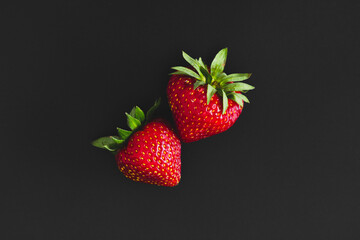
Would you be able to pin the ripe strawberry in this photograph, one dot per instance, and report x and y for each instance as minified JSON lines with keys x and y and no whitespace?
{"x":199,"y":112}
{"x":150,"y":153}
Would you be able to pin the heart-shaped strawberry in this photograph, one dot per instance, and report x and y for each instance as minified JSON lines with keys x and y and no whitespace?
{"x":204,"y":100}
{"x":150,"y":153}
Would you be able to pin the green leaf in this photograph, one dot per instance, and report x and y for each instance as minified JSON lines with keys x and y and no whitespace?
{"x":106,"y":143}
{"x":236,"y":97}
{"x":201,"y":63}
{"x":206,"y":75}
{"x":117,"y":139}
{"x":238,"y":87}
{"x":191,"y":61}
{"x":185,"y":71}
{"x":210,"y":92}
{"x":132,"y":112}
{"x":243,"y":97}
{"x":225,"y":102}
{"x":220,"y":77}
{"x":132,"y":122}
{"x":124,"y":134}
{"x":151,"y":111}
{"x":236,"y":77}
{"x":137,"y":113}
{"x":198,"y":83}
{"x":218,"y":64}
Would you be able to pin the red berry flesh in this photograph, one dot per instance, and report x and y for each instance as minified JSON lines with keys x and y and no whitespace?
{"x":194,"y":118}
{"x":152,"y":155}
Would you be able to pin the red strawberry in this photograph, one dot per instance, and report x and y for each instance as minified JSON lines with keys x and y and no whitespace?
{"x":150,"y":153}
{"x":199,"y":112}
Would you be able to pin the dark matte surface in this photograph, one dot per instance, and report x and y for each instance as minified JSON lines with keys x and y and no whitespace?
{"x":288,"y":169}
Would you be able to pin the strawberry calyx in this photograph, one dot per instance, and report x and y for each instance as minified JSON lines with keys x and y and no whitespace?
{"x":216,"y":80}
{"x":135,"y":121}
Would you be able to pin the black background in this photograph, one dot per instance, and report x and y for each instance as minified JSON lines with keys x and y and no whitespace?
{"x":288,"y":169}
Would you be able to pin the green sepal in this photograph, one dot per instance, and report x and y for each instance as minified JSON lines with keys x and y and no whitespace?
{"x":135,"y":120}
{"x":225,"y":101}
{"x":238,"y":87}
{"x":150,"y":112}
{"x":206,"y":74}
{"x":235,"y":77}
{"x":132,"y":122}
{"x":237,"y":98}
{"x":117,"y":139}
{"x":185,"y":71}
{"x":137,"y":113}
{"x":219,"y":78}
{"x":243,"y":97}
{"x":124,"y":134}
{"x":191,"y":61}
{"x":210,"y":92}
{"x":198,"y":83}
{"x":218,"y":64}
{"x":201,"y":63}
{"x":106,"y":143}
{"x":194,"y":63}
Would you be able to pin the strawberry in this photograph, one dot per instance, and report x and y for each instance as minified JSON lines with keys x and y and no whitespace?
{"x":150,"y":153}
{"x":204,"y":100}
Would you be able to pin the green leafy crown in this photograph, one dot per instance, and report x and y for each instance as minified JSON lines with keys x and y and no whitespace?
{"x":227,"y":86}
{"x":135,"y":120}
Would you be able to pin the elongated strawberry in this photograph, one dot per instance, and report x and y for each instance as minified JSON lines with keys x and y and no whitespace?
{"x":149,"y":153}
{"x":204,"y":100}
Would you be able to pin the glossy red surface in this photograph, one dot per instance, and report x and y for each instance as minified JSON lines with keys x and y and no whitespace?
{"x":152,"y":156}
